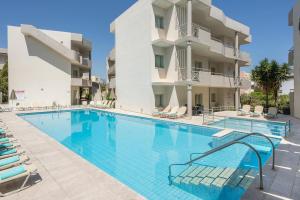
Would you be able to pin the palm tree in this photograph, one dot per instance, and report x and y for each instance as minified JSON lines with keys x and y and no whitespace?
{"x":269,"y":77}
{"x":281,"y":74}
{"x":261,"y":75}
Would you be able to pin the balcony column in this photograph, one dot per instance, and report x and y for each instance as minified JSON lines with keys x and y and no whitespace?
{"x":189,"y":79}
{"x":236,"y":45}
{"x":189,"y":17}
{"x":237,"y":89}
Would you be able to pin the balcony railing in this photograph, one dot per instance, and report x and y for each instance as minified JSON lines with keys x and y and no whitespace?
{"x":206,"y":77}
{"x":80,"y":82}
{"x":82,"y":60}
{"x":111,"y":70}
{"x":205,"y":37}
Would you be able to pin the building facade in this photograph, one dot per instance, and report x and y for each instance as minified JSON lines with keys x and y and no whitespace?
{"x":178,"y":52}
{"x":3,"y":57}
{"x":48,"y":67}
{"x":294,"y":57}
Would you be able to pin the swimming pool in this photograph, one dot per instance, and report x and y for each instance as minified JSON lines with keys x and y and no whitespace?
{"x":259,"y":126}
{"x":138,"y":151}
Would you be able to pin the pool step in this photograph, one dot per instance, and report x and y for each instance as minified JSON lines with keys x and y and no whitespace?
{"x":215,"y":176}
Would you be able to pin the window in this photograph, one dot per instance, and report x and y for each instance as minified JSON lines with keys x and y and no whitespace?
{"x":198,"y":66}
{"x":198,"y":99}
{"x":158,"y":100}
{"x":159,"y":61}
{"x":159,"y":22}
{"x":213,"y":98}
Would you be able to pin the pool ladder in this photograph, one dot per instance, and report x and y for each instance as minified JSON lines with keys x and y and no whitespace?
{"x":236,"y":141}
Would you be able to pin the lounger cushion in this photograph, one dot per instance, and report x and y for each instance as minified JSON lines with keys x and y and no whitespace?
{"x":2,"y":131}
{"x":7,"y":152}
{"x":10,"y":160}
{"x":4,"y":139}
{"x":12,"y":172}
{"x":6,"y":145}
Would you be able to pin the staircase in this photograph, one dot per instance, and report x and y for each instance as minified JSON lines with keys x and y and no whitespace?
{"x":198,"y":175}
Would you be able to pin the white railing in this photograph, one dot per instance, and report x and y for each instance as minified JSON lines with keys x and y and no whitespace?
{"x":244,"y":56}
{"x":80,"y":82}
{"x":208,"y":78}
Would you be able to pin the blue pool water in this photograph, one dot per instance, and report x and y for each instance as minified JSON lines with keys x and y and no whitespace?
{"x":259,"y":126}
{"x":138,"y":151}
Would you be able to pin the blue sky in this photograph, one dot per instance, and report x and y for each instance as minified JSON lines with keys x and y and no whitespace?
{"x":272,"y":38}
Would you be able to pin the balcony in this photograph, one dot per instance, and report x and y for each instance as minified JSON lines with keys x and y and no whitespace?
{"x":80,"y":82}
{"x":244,"y":56}
{"x":86,"y":62}
{"x":111,"y":70}
{"x":208,"y":78}
{"x":112,"y":55}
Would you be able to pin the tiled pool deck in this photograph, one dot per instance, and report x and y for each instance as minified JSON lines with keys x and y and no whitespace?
{"x":65,"y":175}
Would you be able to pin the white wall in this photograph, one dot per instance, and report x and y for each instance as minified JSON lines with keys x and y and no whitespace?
{"x":296,"y":16}
{"x":134,"y":58}
{"x":44,"y":75}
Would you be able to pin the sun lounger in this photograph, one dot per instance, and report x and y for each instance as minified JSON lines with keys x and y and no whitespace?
{"x":258,"y":111}
{"x":180,"y":113}
{"x":9,"y":145}
{"x":92,"y":103}
{"x":272,"y":112}
{"x":5,"y":153}
{"x":245,"y":110}
{"x":164,"y":111}
{"x":173,"y":111}
{"x":15,"y":173}
{"x":12,"y":161}
{"x":7,"y":140}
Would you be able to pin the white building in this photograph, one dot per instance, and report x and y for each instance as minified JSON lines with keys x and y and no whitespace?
{"x":111,"y":70}
{"x":294,"y":56}
{"x":3,"y":57}
{"x":177,"y":52}
{"x":47,"y":67}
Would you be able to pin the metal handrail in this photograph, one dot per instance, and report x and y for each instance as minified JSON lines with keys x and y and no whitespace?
{"x":218,"y":149}
{"x":248,"y":135}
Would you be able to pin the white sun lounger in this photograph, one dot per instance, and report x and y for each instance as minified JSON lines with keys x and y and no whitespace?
{"x":164,"y":111}
{"x":258,"y":111}
{"x":245,"y":110}
{"x":180,"y":113}
{"x":16,"y":173}
{"x":12,"y":161}
{"x":173,"y":111}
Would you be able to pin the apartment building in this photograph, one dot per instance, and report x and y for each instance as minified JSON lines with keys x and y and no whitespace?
{"x":3,"y":57}
{"x":47,"y":67}
{"x":177,"y":52}
{"x":294,"y":57}
{"x":111,"y":70}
